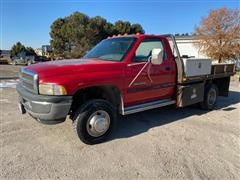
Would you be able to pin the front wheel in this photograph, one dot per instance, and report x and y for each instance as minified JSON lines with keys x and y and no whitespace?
{"x":210,"y":97}
{"x":94,"y":121}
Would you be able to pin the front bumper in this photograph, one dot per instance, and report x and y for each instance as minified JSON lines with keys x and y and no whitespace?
{"x":47,"y":109}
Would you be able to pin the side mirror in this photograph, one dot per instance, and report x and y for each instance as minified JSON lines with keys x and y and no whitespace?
{"x":157,"y":56}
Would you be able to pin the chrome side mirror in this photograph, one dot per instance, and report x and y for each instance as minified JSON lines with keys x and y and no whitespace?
{"x":157,"y":56}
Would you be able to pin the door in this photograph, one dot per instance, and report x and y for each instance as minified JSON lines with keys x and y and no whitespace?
{"x":147,"y":82}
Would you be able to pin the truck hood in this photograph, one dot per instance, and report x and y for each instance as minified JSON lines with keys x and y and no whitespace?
{"x":73,"y":66}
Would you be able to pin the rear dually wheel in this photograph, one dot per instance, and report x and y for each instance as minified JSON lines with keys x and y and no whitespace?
{"x":210,"y":97}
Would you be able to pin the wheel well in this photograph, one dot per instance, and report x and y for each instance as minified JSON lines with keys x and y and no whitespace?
{"x":222,"y":85}
{"x":109,"y":93}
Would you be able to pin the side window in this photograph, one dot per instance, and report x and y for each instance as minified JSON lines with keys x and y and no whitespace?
{"x":144,"y":50}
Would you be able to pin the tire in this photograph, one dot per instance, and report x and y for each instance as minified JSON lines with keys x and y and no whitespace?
{"x":90,"y":114}
{"x":210,"y":97}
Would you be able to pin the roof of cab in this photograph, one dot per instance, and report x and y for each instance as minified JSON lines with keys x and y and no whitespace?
{"x":138,"y":35}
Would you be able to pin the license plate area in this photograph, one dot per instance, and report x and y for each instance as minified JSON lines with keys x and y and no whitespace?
{"x":23,"y":104}
{"x":21,"y":108}
{"x":27,"y":104}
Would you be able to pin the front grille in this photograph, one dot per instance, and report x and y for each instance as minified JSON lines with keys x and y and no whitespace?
{"x":29,"y":80}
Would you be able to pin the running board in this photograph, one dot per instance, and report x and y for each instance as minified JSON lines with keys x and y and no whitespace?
{"x":147,"y":106}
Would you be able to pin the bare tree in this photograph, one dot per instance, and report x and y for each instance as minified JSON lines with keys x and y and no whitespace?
{"x":219,"y":34}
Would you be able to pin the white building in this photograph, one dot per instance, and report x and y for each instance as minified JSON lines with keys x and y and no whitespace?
{"x":39,"y":51}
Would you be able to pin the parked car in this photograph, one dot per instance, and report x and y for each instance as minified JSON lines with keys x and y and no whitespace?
{"x":121,"y":75}
{"x":4,"y":56}
{"x":27,"y":58}
{"x":3,"y":60}
{"x":41,"y":59}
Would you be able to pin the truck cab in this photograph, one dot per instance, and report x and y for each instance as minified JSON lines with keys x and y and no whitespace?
{"x":121,"y":75}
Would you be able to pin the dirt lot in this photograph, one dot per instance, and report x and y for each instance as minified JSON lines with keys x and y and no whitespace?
{"x":164,"y":143}
{"x":9,"y":71}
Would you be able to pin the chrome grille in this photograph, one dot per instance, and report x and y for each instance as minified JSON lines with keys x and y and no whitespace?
{"x":29,"y":80}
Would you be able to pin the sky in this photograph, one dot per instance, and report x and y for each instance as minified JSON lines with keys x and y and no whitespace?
{"x":29,"y":21}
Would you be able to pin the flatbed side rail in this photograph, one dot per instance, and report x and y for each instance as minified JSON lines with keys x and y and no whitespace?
{"x":217,"y":71}
{"x":221,"y":70}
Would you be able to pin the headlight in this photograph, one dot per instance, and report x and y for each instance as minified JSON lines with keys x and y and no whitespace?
{"x":52,"y":89}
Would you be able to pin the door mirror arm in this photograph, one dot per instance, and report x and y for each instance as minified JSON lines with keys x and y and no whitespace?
{"x":149,"y":59}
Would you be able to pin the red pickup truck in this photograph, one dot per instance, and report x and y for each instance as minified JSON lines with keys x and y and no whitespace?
{"x":121,"y":75}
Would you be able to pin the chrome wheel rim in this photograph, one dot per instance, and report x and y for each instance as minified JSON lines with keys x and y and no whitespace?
{"x":98,"y":123}
{"x":212,"y":95}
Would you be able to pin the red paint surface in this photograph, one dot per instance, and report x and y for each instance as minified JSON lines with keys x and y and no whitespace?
{"x":77,"y":74}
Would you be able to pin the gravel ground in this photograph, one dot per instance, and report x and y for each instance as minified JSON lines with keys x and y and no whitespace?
{"x":7,"y":71}
{"x":165,"y":143}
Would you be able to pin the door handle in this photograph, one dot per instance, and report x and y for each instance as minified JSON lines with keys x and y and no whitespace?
{"x":167,"y":68}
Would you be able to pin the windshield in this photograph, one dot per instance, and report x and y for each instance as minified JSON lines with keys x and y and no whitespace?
{"x":113,"y":49}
